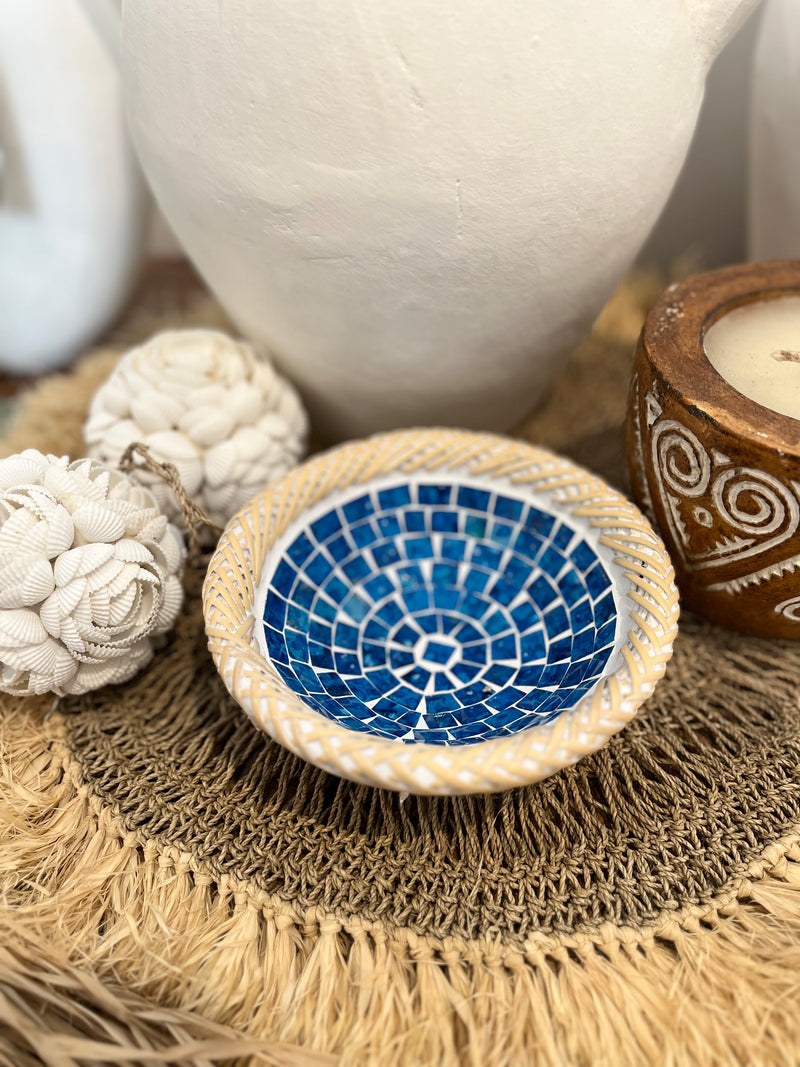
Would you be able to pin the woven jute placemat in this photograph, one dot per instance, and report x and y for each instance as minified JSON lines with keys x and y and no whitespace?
{"x":175,"y":885}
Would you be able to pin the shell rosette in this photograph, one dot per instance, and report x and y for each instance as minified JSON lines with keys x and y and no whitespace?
{"x":209,"y":405}
{"x":90,"y":575}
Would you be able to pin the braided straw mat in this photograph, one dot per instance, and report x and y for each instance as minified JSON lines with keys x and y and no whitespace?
{"x":178,"y":889}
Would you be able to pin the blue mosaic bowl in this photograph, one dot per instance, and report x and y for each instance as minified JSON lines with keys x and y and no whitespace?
{"x":436,"y":611}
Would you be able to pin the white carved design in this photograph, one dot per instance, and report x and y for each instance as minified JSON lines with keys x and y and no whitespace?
{"x":751,"y":511}
{"x":790,"y":609}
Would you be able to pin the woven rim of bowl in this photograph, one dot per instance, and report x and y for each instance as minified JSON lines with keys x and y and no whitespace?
{"x":486,"y":766}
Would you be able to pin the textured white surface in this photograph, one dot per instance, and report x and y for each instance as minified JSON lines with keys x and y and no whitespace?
{"x":418,"y":206}
{"x":90,"y":573}
{"x":73,"y":203}
{"x":207,"y":404}
{"x":775,"y":135}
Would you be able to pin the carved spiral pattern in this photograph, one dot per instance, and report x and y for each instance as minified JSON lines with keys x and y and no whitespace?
{"x":754,"y":502}
{"x":682,"y":460}
{"x":790,"y":609}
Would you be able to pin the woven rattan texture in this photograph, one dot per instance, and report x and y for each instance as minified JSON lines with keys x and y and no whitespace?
{"x":670,"y":813}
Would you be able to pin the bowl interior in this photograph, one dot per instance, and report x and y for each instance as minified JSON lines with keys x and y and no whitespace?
{"x":445,"y":612}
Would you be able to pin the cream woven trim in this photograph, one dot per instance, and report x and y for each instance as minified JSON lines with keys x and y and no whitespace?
{"x":494,"y":765}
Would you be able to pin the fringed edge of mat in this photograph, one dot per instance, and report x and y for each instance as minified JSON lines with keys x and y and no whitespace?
{"x":716,"y":984}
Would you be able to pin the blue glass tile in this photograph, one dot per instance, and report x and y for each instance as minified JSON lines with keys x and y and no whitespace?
{"x":473,"y":713}
{"x":556,"y":621}
{"x":432,"y":737}
{"x":542,"y":592}
{"x":409,"y":698}
{"x":467,"y":633}
{"x":502,"y":534}
{"x":418,"y":677}
{"x":376,"y":629}
{"x":300,"y":549}
{"x":474,"y":654}
{"x":379,"y":587}
{"x":445,"y":574}
{"x":418,"y":547}
{"x":532,"y":701}
{"x":525,"y":616}
{"x":359,"y":508}
{"x":562,"y":537}
{"x":476,"y":581}
{"x":596,"y":580}
{"x":505,"y":717}
{"x":318,"y":631}
{"x":389,"y":526}
{"x":498,"y":674}
{"x":363,"y":689}
{"x":604,"y":610}
{"x":442,"y":720}
{"x":284,"y":577}
{"x":441,"y":683}
{"x":347,"y":663}
{"x":297,"y":644}
{"x":528,"y":677}
{"x":396,"y":497}
{"x":607,"y":633}
{"x":391,"y":729}
{"x":364,"y":534}
{"x":356,"y":607}
{"x":336,"y":590}
{"x":449,"y":623}
{"x":326,"y":526}
{"x":473,"y":499}
{"x":321,"y":656}
{"x":275,"y":611}
{"x":583,"y":556}
{"x":508,"y":509}
{"x":385,"y":555}
{"x":465,"y":672}
{"x":560,"y":650}
{"x":417,"y":601}
{"x":581,"y":615}
{"x":496,"y":623}
{"x":473,"y":729}
{"x":504,"y":647}
{"x":309,"y":678}
{"x":446,"y":599}
{"x":453,"y":548}
{"x":487,"y":556}
{"x":575,"y":673}
{"x":415,"y":521}
{"x":505,"y":698}
{"x":436,"y":652}
{"x":528,"y":544}
{"x":290,"y":678}
{"x":390,"y":613}
{"x":471,"y":694}
{"x":383,"y":680}
{"x":475,"y":606}
{"x":428,"y":623}
{"x":407,"y":636}
{"x":551,"y":561}
{"x":276,"y":645}
{"x":439,"y":704}
{"x":356,"y":569}
{"x":411,"y":577}
{"x":553,"y":674}
{"x":340,"y":548}
{"x":475,"y":526}
{"x":571,"y":588}
{"x":540,"y":521}
{"x":318,"y":568}
{"x":435,"y":494}
{"x":532,"y":647}
{"x":373,"y":655}
{"x":297,"y":618}
{"x":347,"y":636}
{"x":445,"y":521}
{"x":583,"y":643}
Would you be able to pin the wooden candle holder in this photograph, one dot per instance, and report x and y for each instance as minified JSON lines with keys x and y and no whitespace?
{"x":718,"y":473}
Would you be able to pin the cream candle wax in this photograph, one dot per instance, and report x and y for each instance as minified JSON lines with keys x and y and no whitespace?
{"x":756,"y":349}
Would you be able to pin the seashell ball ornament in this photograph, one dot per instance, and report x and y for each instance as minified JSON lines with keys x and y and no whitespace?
{"x":210,"y":406}
{"x":90,"y":574}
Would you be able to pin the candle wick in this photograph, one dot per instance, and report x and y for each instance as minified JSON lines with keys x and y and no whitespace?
{"x":786,"y":355}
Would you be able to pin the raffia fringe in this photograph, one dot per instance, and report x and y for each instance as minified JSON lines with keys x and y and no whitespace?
{"x":98,"y":925}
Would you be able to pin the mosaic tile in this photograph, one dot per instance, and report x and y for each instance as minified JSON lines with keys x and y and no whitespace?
{"x":439,"y":613}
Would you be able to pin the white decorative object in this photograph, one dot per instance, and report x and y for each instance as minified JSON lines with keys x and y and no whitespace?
{"x":73,"y":203}
{"x":774,"y":224}
{"x":418,"y":206}
{"x":207,"y":404}
{"x":90,"y":573}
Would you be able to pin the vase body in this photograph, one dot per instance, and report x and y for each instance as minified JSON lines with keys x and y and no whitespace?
{"x":73,"y":202}
{"x":418,"y":207}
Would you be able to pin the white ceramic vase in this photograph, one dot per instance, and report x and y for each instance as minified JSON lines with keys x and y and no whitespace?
{"x":73,"y":202}
{"x":774,"y":192}
{"x":418,"y":206}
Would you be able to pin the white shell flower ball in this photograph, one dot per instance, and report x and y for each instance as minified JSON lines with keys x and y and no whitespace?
{"x":90,"y":573}
{"x":207,"y":404}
